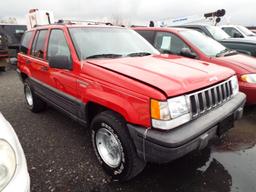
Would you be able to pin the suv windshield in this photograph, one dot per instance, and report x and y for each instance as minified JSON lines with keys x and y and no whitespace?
{"x":107,"y":42}
{"x":246,"y":31}
{"x":217,"y":33}
{"x":205,"y":44}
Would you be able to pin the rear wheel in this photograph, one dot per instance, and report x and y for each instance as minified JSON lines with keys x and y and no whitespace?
{"x":114,"y":147}
{"x":34,"y":103}
{"x":2,"y":69}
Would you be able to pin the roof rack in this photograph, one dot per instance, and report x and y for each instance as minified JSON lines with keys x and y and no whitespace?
{"x":73,"y":22}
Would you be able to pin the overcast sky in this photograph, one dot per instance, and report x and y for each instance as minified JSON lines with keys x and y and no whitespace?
{"x":238,"y":11}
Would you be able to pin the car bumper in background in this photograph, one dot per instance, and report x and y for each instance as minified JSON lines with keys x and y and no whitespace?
{"x":20,"y":181}
{"x":250,"y":91}
{"x":164,"y":146}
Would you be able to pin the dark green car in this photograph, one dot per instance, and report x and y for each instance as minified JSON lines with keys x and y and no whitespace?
{"x":246,"y":46}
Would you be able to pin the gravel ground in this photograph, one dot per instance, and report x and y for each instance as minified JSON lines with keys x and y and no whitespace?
{"x":60,"y":156}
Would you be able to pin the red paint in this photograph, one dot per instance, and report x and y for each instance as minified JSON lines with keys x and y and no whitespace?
{"x":126,"y":85}
{"x":241,"y":64}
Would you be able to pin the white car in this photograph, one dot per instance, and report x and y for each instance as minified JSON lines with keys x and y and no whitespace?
{"x":14,"y":175}
{"x":238,"y":31}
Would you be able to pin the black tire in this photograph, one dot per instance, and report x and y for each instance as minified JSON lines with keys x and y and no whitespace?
{"x":37,"y":104}
{"x":130,"y":164}
{"x":2,"y":69}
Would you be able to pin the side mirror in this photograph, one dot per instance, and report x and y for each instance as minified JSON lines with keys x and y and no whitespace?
{"x":60,"y":62}
{"x":186,"y":52}
{"x":237,"y":35}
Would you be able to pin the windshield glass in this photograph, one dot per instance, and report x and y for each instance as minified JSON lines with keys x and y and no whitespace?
{"x":205,"y":44}
{"x":246,"y":31}
{"x":107,"y":41}
{"x":217,"y":33}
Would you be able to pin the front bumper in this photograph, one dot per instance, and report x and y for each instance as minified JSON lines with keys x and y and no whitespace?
{"x":164,"y":146}
{"x":20,"y":180}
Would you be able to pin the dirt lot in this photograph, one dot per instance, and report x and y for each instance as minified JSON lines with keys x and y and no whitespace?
{"x":60,"y":156}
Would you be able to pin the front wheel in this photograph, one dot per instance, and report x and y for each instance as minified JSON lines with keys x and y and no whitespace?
{"x":114,"y":147}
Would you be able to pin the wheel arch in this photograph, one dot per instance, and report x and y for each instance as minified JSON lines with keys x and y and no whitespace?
{"x":92,"y":109}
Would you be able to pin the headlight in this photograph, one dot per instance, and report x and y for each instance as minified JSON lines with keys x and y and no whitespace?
{"x":178,"y":106}
{"x":249,"y":78}
{"x":169,"y":114}
{"x":235,"y":86}
{"x":7,"y":163}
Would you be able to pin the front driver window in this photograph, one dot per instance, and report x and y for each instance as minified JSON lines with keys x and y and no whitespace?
{"x":58,"y":45}
{"x":232,"y":31}
{"x":169,"y":42}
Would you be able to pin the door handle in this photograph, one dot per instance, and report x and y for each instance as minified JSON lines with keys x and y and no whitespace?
{"x":44,"y":68}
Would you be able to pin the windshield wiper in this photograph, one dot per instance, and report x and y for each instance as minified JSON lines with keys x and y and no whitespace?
{"x":165,"y":51}
{"x":139,"y":54}
{"x":104,"y":56}
{"x":222,"y":52}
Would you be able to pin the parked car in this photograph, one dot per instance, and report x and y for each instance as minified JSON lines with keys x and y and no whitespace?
{"x":238,"y":31}
{"x":13,"y":33}
{"x":254,"y":31}
{"x":4,"y":55}
{"x":192,"y":44}
{"x":139,"y":106}
{"x":13,"y":166}
{"x":246,"y":46}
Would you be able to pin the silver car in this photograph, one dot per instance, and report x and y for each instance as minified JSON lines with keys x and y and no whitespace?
{"x":13,"y":166}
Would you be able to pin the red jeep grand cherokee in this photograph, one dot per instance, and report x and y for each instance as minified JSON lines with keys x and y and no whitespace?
{"x":192,"y":44}
{"x":140,"y":108}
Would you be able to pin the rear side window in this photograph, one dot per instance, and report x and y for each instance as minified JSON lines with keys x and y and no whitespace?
{"x":148,"y":35}
{"x":58,"y":45}
{"x":25,"y":42}
{"x":39,"y":44}
{"x":169,"y":42}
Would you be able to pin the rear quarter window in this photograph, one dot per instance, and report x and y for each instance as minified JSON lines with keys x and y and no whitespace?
{"x":26,"y":39}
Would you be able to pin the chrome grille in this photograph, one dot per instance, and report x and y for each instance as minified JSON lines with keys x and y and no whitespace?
{"x":204,"y":100}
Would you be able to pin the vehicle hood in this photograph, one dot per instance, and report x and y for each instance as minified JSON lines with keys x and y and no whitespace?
{"x":251,"y":38}
{"x":240,"y":40}
{"x":174,"y":76}
{"x":245,"y":62}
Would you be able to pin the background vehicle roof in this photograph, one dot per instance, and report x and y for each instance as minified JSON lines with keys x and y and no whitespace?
{"x":172,"y":29}
{"x":229,"y":25}
{"x":196,"y":24}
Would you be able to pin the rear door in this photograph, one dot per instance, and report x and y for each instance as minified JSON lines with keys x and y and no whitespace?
{"x":23,"y":58}
{"x":38,"y":65}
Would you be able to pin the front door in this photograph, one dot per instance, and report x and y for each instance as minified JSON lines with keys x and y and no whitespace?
{"x":64,"y":80}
